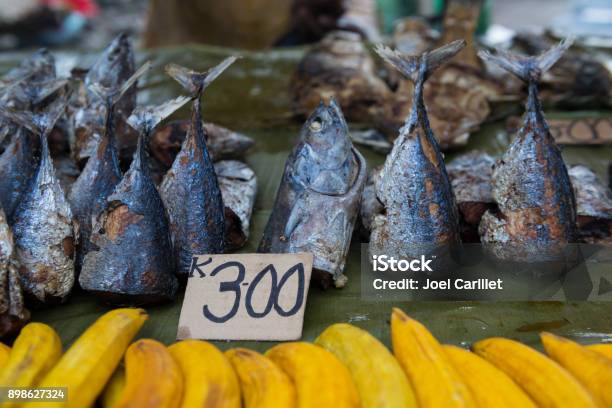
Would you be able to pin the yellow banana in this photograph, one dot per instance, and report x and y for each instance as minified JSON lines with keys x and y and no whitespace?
{"x":593,"y":370}
{"x":603,"y":349}
{"x":152,"y":377}
{"x":35,"y":352}
{"x":546,"y":382}
{"x":433,"y":377}
{"x":263,"y":383}
{"x":380,"y":380}
{"x":114,"y":389}
{"x":320,"y":379}
{"x":86,"y":367}
{"x":4,"y":355}
{"x":210,"y":380}
{"x":489,"y":386}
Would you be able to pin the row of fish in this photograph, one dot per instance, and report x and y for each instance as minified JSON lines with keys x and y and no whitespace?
{"x":120,"y":235}
{"x":461,"y":96}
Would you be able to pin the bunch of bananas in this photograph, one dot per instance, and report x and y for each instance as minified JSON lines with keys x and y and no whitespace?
{"x":345,"y":367}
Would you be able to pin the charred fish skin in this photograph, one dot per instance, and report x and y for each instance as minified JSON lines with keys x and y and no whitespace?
{"x":130,"y":260}
{"x":420,"y":211}
{"x":531,"y":184}
{"x":318,"y":200}
{"x":27,"y":86}
{"x":190,"y":189}
{"x":44,"y":230}
{"x":13,"y":314}
{"x":102,"y":172}
{"x":111,"y":70}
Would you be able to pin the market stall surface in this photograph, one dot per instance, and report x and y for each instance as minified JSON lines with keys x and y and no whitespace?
{"x":252,"y":97}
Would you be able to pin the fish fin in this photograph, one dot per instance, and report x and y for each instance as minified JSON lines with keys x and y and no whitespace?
{"x":38,"y":123}
{"x":112,"y":95}
{"x":146,"y":118}
{"x":527,"y":68}
{"x":42,"y":91}
{"x":410,"y":65}
{"x":195,"y":82}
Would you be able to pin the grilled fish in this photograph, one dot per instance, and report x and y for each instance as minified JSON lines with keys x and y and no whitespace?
{"x":26,"y":88}
{"x":102,"y":173}
{"x":130,"y":258}
{"x":420,"y":212}
{"x":13,"y":314}
{"x":111,"y":70}
{"x":318,"y":200}
{"x":44,"y":230}
{"x":530,"y":184}
{"x":190,"y":190}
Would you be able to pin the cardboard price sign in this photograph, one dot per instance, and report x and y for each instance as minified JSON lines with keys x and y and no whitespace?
{"x":246,"y":297}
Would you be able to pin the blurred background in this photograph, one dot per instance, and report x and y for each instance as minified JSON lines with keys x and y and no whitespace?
{"x":257,"y":24}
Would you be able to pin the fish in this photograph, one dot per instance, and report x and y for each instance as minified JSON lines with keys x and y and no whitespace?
{"x":130,"y":259}
{"x":318,"y":200}
{"x":238,"y":184}
{"x":113,"y":67}
{"x":593,"y":205}
{"x":43,"y":226}
{"x":26,"y":88}
{"x":420,"y":215}
{"x":222,"y":143}
{"x":190,"y":189}
{"x":102,"y":172}
{"x":13,"y":313}
{"x":536,"y":217}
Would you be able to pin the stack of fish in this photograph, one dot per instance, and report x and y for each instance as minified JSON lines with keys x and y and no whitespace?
{"x":114,"y":233}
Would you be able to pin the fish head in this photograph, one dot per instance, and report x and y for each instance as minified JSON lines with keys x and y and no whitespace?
{"x":326,"y":133}
{"x":114,"y":65}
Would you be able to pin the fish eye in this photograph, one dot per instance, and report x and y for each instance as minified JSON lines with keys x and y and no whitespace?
{"x":316,"y":125}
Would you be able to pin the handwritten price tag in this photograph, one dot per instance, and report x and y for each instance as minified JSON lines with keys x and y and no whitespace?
{"x":246,"y":297}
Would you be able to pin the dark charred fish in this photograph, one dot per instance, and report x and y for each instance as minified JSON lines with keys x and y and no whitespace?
{"x":27,"y":87}
{"x":222,"y":143}
{"x":111,"y":70}
{"x":44,"y":230}
{"x":13,"y":314}
{"x":130,"y":258}
{"x":102,"y":172}
{"x":318,"y":200}
{"x":531,"y":185}
{"x":190,"y":190}
{"x":420,"y":212}
{"x":238,"y":185}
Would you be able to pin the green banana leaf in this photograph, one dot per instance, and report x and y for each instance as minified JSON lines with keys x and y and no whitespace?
{"x":252,"y":97}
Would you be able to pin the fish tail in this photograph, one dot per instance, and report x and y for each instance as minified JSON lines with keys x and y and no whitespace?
{"x":112,"y":95}
{"x":145,"y":119}
{"x":195,"y":82}
{"x":528,"y":69}
{"x":428,"y":62}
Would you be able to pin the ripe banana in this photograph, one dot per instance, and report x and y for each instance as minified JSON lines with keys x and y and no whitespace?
{"x":263,"y":383}
{"x":35,"y":352}
{"x":152,"y":377}
{"x":593,"y":370}
{"x":433,"y":377}
{"x":380,"y":380}
{"x":114,"y":388}
{"x":320,"y":379}
{"x":546,"y":382}
{"x":4,"y":355}
{"x":210,"y":380}
{"x":489,"y":386}
{"x":86,"y":367}
{"x":603,"y":349}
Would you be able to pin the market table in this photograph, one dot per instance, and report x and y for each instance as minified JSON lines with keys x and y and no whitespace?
{"x":252,"y":98}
